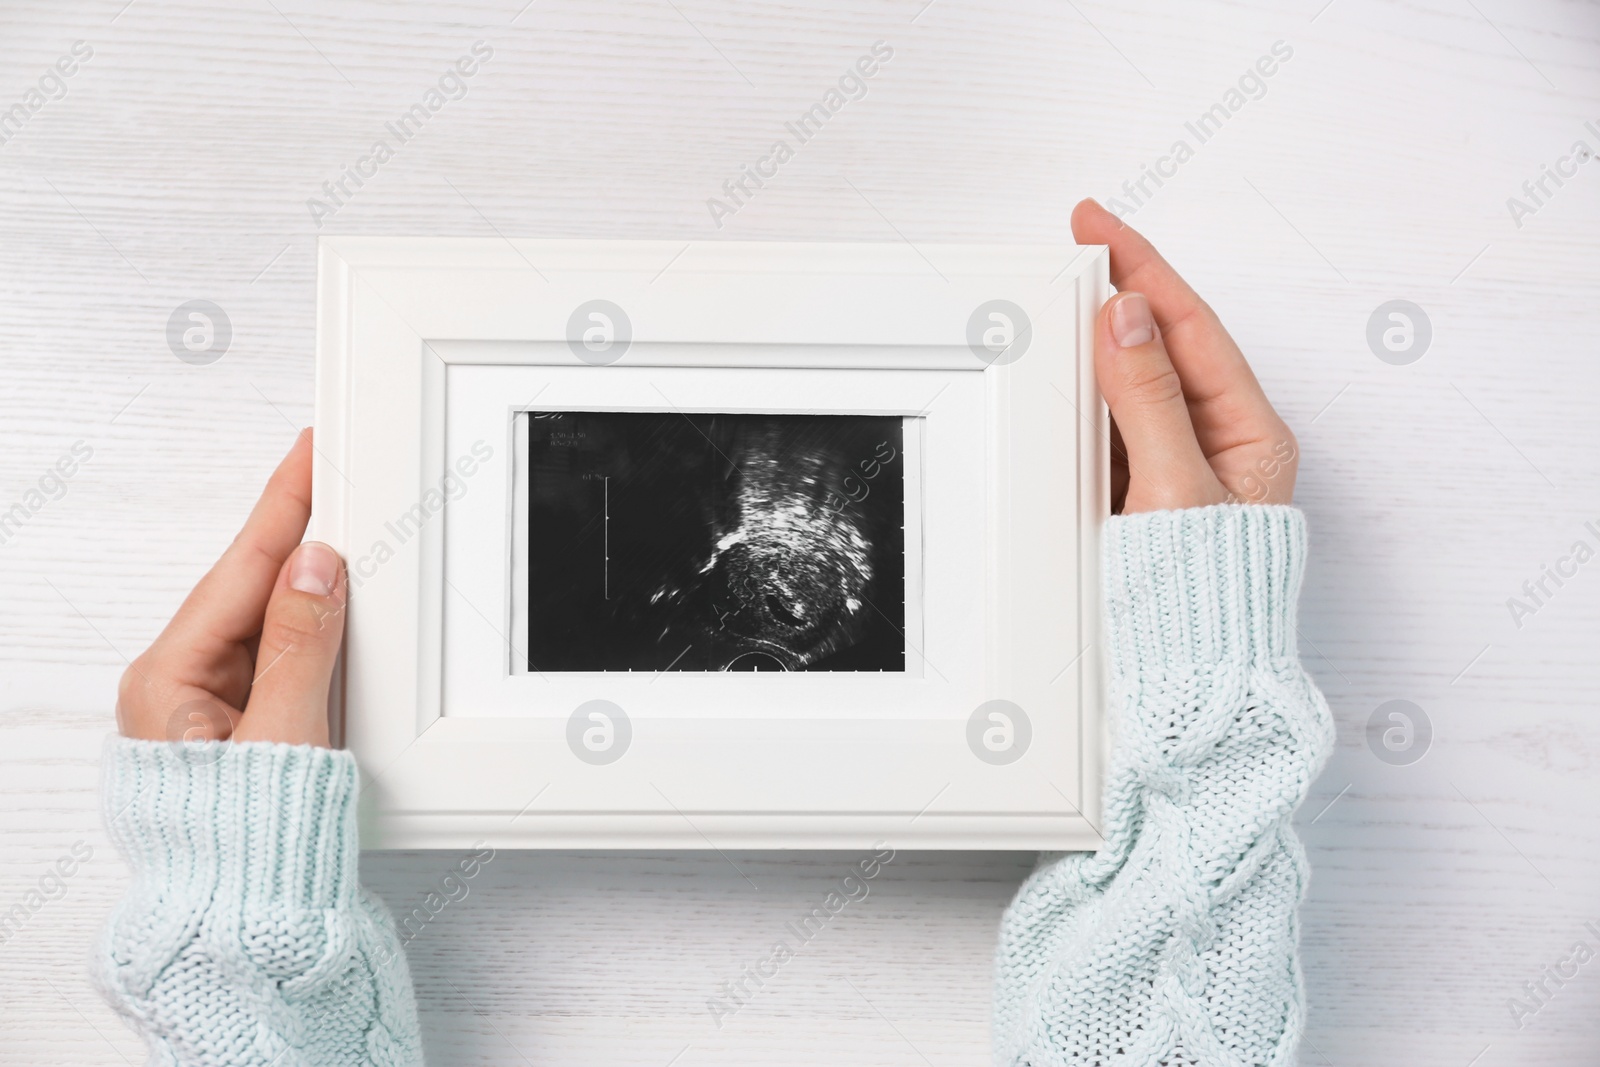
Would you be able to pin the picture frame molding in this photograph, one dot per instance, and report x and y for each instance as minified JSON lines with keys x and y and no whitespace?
{"x":398,"y":317}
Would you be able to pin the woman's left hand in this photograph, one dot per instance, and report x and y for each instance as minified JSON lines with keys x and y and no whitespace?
{"x":250,"y":654}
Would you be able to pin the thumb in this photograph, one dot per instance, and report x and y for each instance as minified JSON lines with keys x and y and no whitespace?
{"x":299,"y":646}
{"x":1166,"y":468}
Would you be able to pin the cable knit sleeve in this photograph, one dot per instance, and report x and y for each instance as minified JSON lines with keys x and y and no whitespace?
{"x":245,"y":937}
{"x":1176,"y":943}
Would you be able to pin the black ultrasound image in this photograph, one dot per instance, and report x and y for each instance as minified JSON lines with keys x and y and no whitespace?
{"x":672,"y":542}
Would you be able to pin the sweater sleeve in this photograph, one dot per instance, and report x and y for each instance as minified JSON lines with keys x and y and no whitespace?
{"x":245,"y":937}
{"x":1176,"y":943}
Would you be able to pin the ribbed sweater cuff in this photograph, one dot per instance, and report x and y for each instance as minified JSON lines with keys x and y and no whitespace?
{"x":1202,"y":586}
{"x":255,"y":822}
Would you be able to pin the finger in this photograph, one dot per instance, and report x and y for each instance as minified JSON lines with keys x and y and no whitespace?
{"x":1166,"y":468}
{"x":300,"y":640}
{"x":227,"y":604}
{"x":1229,"y":406}
{"x":1119,"y":469}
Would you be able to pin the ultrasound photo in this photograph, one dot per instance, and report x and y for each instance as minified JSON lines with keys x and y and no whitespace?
{"x":672,"y":542}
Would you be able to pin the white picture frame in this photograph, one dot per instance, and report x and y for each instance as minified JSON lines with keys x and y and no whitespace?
{"x":427,"y":349}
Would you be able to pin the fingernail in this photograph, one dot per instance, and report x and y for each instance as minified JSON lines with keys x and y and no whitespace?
{"x":314,"y":569}
{"x":1131,"y":323}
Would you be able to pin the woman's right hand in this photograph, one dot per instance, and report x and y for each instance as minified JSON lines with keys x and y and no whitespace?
{"x":1190,"y":425}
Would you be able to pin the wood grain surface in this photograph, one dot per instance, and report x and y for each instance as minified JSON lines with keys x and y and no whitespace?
{"x":1375,"y":164}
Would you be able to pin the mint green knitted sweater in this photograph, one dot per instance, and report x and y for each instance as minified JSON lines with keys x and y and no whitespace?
{"x":246,"y":939}
{"x":1175,"y":944}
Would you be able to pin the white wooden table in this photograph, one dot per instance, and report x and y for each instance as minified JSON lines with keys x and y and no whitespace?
{"x":1375,"y":165}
